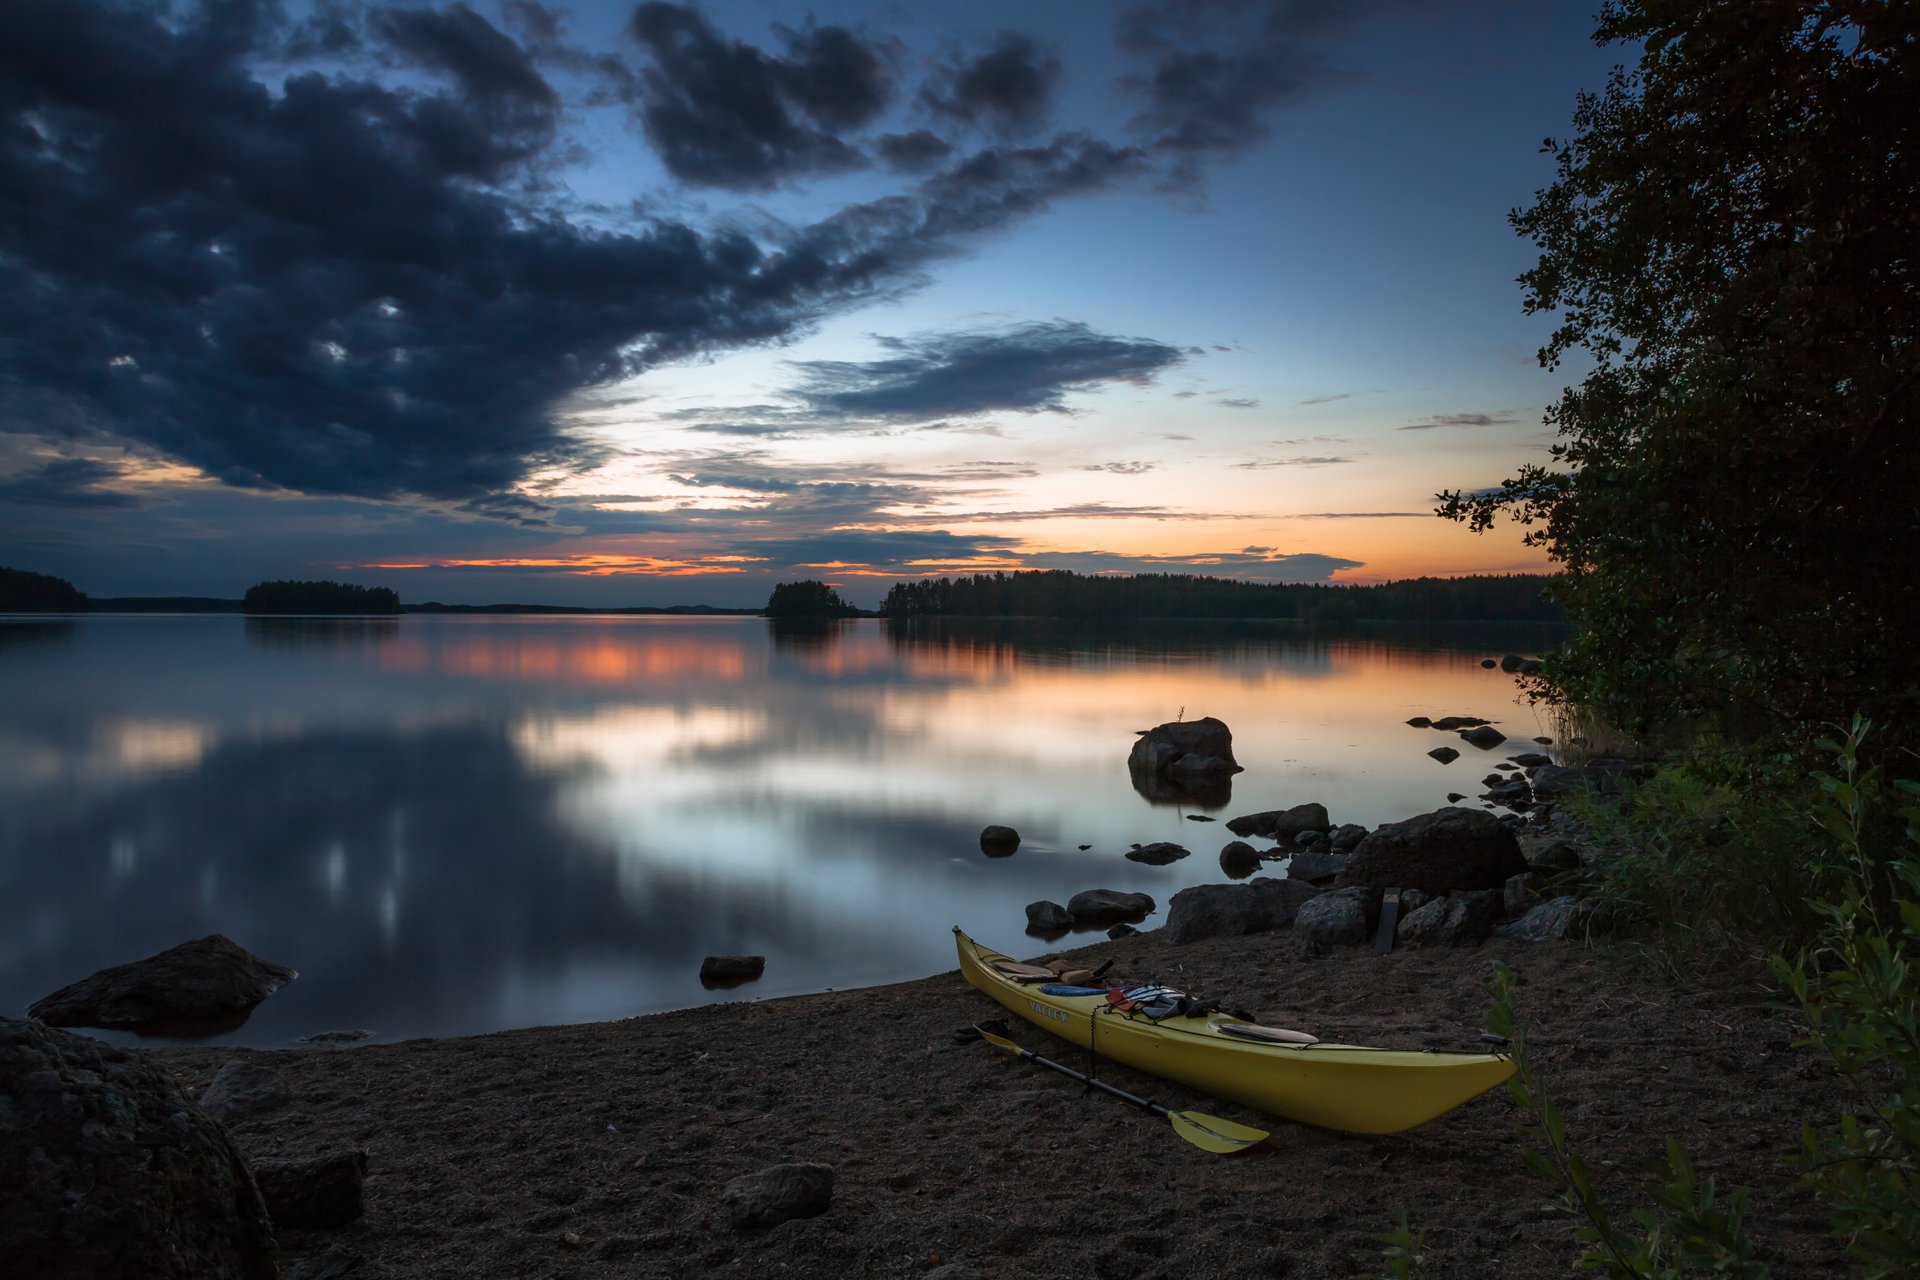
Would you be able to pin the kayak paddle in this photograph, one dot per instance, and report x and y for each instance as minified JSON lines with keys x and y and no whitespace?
{"x":1209,"y":1133}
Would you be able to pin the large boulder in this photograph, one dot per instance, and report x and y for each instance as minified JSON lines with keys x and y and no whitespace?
{"x":1183,"y":748}
{"x":209,"y":980}
{"x":1483,"y":736}
{"x":1281,"y":824}
{"x":1340,"y":918}
{"x":1229,"y":910}
{"x":1346,"y":837}
{"x":1459,"y":920}
{"x":1440,"y":852}
{"x":1093,"y":907}
{"x":1315,"y":867}
{"x":107,"y":1170}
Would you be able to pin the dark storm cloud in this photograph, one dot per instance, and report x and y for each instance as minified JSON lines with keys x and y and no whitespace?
{"x":914,"y":152}
{"x":724,"y":113}
{"x":1461,"y":420}
{"x":1007,"y":90}
{"x":65,"y":482}
{"x":1027,"y":370}
{"x":1210,"y":73}
{"x":330,"y":287}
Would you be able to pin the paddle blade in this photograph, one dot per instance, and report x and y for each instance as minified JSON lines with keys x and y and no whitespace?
{"x":998,"y":1042}
{"x":1211,"y":1133}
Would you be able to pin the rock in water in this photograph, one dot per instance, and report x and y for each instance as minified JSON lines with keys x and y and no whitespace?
{"x":1048,"y":916}
{"x":1440,"y":852}
{"x":1445,"y":755}
{"x":1238,"y":859}
{"x":1484,"y":736}
{"x":209,"y":979}
{"x":1316,"y":868}
{"x":732,"y":968}
{"x":1108,"y":906}
{"x":108,"y":1170}
{"x":1229,"y":910}
{"x":1158,"y":854}
{"x":775,"y":1195}
{"x":1281,"y":824}
{"x":998,"y":842}
{"x":1184,"y":747}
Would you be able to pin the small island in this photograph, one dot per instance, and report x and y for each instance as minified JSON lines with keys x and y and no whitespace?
{"x":319,"y":597}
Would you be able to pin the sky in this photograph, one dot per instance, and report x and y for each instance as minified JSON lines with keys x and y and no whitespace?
{"x":623,"y":305}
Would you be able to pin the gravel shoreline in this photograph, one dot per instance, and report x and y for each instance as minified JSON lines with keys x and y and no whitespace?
{"x":602,"y":1149}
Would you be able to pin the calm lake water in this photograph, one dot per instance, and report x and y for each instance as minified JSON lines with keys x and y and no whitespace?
{"x":462,"y":824}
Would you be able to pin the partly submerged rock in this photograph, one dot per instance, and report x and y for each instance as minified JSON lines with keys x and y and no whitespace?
{"x":718,"y":971}
{"x":108,"y":1169}
{"x":1238,"y":859}
{"x":1483,"y":736}
{"x":211,"y":980}
{"x":1158,"y":854}
{"x":1445,"y":755}
{"x":1281,"y":824}
{"x":1451,"y":723}
{"x":1184,"y":746}
{"x":998,"y":842}
{"x":1315,"y":867}
{"x":1229,"y":910}
{"x":1049,"y":917}
{"x":1093,"y":907}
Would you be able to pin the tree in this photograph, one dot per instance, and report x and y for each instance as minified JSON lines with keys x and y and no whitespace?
{"x":1731,"y":239}
{"x":24,"y":592}
{"x":319,"y":597}
{"x":809,"y":599}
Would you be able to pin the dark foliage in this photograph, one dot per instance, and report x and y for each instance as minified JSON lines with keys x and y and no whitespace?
{"x":23,"y":592}
{"x":1732,"y":238}
{"x":319,"y":597}
{"x":809,"y":599}
{"x":1060,"y":593}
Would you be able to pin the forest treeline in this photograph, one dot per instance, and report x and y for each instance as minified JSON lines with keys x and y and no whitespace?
{"x":1060,"y":593}
{"x":319,"y":597}
{"x":24,"y":592}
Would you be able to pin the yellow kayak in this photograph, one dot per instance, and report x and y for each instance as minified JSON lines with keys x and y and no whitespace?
{"x":1284,"y":1073}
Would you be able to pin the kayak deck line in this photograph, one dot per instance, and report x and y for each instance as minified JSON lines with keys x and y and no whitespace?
{"x":1354,"y":1088}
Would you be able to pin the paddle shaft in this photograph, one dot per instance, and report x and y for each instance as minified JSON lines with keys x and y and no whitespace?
{"x":1143,"y":1103}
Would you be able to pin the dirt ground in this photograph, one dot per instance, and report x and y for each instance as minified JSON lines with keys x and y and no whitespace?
{"x":602,"y":1150}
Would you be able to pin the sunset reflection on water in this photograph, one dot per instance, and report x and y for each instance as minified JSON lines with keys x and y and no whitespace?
{"x":454,"y":824}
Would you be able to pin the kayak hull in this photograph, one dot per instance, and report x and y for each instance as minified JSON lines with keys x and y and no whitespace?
{"x":1346,"y":1087}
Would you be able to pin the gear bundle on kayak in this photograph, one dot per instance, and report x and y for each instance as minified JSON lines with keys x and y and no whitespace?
{"x":1281,"y":1072}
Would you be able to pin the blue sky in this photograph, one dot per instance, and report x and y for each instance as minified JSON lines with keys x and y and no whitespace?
{"x":623,"y":305}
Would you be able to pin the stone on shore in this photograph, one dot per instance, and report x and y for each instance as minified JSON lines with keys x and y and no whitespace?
{"x":242,"y":1089}
{"x":108,"y":1169}
{"x":1093,"y":907}
{"x":1555,"y":857}
{"x":1522,"y":891}
{"x":1157,"y":854}
{"x":1315,"y":867}
{"x":1458,"y":920}
{"x":1551,"y":921}
{"x":777,"y":1194}
{"x":1281,"y":824}
{"x":1337,"y":919}
{"x":1441,"y":852}
{"x":1049,"y":917}
{"x":1229,"y":910}
{"x":322,"y":1193}
{"x":207,"y":980}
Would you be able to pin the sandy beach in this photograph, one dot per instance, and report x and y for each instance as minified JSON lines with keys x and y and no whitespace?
{"x":603,"y":1149}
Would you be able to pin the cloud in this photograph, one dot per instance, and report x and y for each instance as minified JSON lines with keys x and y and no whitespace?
{"x":1361,"y":515}
{"x":1121,"y":468}
{"x":1006,"y":91}
{"x":1029,"y":369}
{"x":1263,"y":565}
{"x":1238,"y":402}
{"x":66,"y":482}
{"x":1263,"y":464}
{"x":1343,"y":395}
{"x":1461,"y":420}
{"x":724,"y":113}
{"x":914,"y":152}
